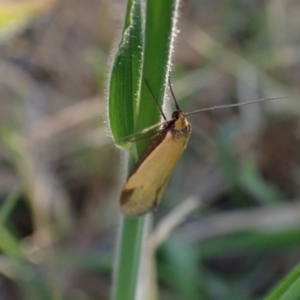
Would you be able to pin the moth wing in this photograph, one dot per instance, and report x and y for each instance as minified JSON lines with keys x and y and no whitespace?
{"x":144,"y":188}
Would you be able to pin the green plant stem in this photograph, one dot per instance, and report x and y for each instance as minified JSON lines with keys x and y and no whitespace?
{"x":129,"y":252}
{"x":132,"y":103}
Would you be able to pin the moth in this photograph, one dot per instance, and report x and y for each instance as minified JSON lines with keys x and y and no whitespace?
{"x":147,"y":181}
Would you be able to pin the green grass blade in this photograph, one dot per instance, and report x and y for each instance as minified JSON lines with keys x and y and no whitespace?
{"x":288,"y":288}
{"x":128,"y":262}
{"x":250,"y":243}
{"x":160,"y":24}
{"x":9,"y":244}
{"x":125,"y":76}
{"x":9,"y":204}
{"x":124,"y":93}
{"x":132,"y":109}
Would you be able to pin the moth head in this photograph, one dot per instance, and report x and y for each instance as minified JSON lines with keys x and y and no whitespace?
{"x":180,"y":121}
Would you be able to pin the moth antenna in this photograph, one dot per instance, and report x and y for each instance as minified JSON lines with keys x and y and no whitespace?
{"x":146,"y":137}
{"x":151,"y":92}
{"x":128,"y":137}
{"x":233,"y":105}
{"x":171,"y":90}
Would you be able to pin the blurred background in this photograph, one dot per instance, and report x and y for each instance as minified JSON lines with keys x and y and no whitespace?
{"x":235,"y":191}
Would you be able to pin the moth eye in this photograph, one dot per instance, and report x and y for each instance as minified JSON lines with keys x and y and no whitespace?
{"x":175,"y":115}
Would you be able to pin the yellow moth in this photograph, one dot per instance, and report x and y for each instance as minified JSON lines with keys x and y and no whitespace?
{"x":147,"y":181}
